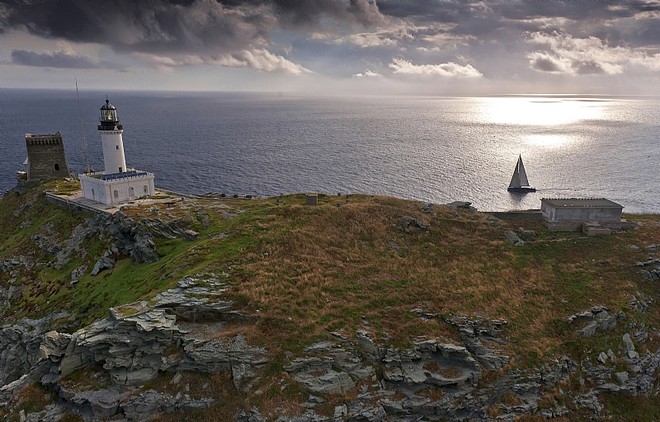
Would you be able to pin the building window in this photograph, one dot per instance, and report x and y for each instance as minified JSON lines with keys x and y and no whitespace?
{"x":117,"y":147}
{"x":146,"y":190}
{"x":116,"y":193}
{"x":93,"y":194}
{"x":57,"y":167}
{"x":131,"y":192}
{"x":120,"y":170}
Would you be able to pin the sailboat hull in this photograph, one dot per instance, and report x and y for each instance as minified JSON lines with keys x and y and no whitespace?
{"x":521,"y":189}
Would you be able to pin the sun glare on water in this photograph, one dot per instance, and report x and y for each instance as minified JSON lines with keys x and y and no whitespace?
{"x":548,"y":140}
{"x":542,"y":111}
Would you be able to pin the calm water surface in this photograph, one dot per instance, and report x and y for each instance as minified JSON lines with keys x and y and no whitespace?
{"x":431,"y":149}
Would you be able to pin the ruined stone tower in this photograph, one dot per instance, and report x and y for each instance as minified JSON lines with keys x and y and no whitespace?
{"x":46,"y":159}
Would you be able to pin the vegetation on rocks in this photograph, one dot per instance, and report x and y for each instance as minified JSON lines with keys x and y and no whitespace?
{"x":298,"y":275}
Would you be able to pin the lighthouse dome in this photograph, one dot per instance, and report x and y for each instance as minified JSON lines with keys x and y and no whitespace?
{"x":109,"y":119}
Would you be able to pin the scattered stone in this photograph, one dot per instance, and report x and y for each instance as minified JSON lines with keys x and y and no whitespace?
{"x":650,"y":261}
{"x":104,"y":263}
{"x":406,"y":223}
{"x":368,"y":347}
{"x":526,"y":235}
{"x":340,"y":412}
{"x":190,"y":234}
{"x":474,"y":332}
{"x":315,"y":399}
{"x":427,"y":207}
{"x":611,"y":355}
{"x":589,"y":401}
{"x":424,"y":314}
{"x":622,"y":377}
{"x":514,"y":239}
{"x":430,"y":363}
{"x":653,"y":274}
{"x":77,"y":273}
{"x":144,"y":405}
{"x":597,"y":319}
{"x":252,"y":416}
{"x":641,"y":303}
{"x":602,"y":357}
{"x":328,"y":369}
{"x":630,"y":347}
{"x":461,"y":204}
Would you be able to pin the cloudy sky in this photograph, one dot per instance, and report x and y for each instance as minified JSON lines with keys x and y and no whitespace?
{"x":437,"y":47}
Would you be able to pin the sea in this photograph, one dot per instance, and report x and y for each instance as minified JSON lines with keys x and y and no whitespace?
{"x":434,"y":149}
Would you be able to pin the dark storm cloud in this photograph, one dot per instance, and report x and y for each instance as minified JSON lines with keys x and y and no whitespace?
{"x":479,"y":18}
{"x":308,"y":13}
{"x":199,"y":26}
{"x":141,"y":25}
{"x":58,"y":59}
{"x":176,"y":26}
{"x":243,"y":32}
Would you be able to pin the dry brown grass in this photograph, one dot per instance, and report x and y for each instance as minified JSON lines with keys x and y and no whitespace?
{"x":431,"y":393}
{"x":32,"y":398}
{"x":303,"y":271}
{"x":509,"y":399}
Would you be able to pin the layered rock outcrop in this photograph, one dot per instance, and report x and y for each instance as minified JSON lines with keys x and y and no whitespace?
{"x":432,"y":379}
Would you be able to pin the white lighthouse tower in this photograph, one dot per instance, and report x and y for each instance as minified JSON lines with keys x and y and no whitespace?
{"x":117,"y":183}
{"x":113,"y":145}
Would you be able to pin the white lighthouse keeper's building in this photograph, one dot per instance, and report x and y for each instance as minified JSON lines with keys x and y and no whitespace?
{"x":116,"y":183}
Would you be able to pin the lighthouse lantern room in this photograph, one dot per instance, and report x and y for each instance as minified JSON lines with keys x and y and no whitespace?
{"x":116,"y":183}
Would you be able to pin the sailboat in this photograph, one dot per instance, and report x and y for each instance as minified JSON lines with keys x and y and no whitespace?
{"x":519,"y":182}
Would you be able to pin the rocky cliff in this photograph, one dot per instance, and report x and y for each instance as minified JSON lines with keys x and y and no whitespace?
{"x":245,"y":319}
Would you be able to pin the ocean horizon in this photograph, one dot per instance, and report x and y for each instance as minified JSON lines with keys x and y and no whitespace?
{"x":435,"y":149}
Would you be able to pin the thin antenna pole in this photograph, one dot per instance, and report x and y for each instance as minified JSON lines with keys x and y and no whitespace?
{"x":87,"y":166}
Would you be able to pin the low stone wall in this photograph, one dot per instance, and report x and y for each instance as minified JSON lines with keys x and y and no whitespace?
{"x":563,"y":226}
{"x":576,"y":226}
{"x":72,"y":205}
{"x":527,"y":215}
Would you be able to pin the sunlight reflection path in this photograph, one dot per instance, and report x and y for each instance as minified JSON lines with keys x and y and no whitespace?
{"x":530,"y":111}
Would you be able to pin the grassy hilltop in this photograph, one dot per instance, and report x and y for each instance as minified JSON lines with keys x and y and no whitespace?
{"x":301,"y":272}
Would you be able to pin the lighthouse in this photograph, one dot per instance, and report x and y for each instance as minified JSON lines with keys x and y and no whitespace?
{"x":117,"y":183}
{"x":111,"y":131}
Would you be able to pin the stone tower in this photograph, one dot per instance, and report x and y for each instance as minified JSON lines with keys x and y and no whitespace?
{"x":46,"y":159}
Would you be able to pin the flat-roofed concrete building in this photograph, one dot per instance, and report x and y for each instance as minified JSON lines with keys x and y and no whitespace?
{"x":568,"y":214}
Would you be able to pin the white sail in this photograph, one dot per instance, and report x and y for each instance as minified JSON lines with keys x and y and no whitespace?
{"x":515,"y":179}
{"x":521,"y":172}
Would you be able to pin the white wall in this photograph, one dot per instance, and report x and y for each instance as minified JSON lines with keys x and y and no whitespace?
{"x":113,"y":151}
{"x":111,"y":192}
